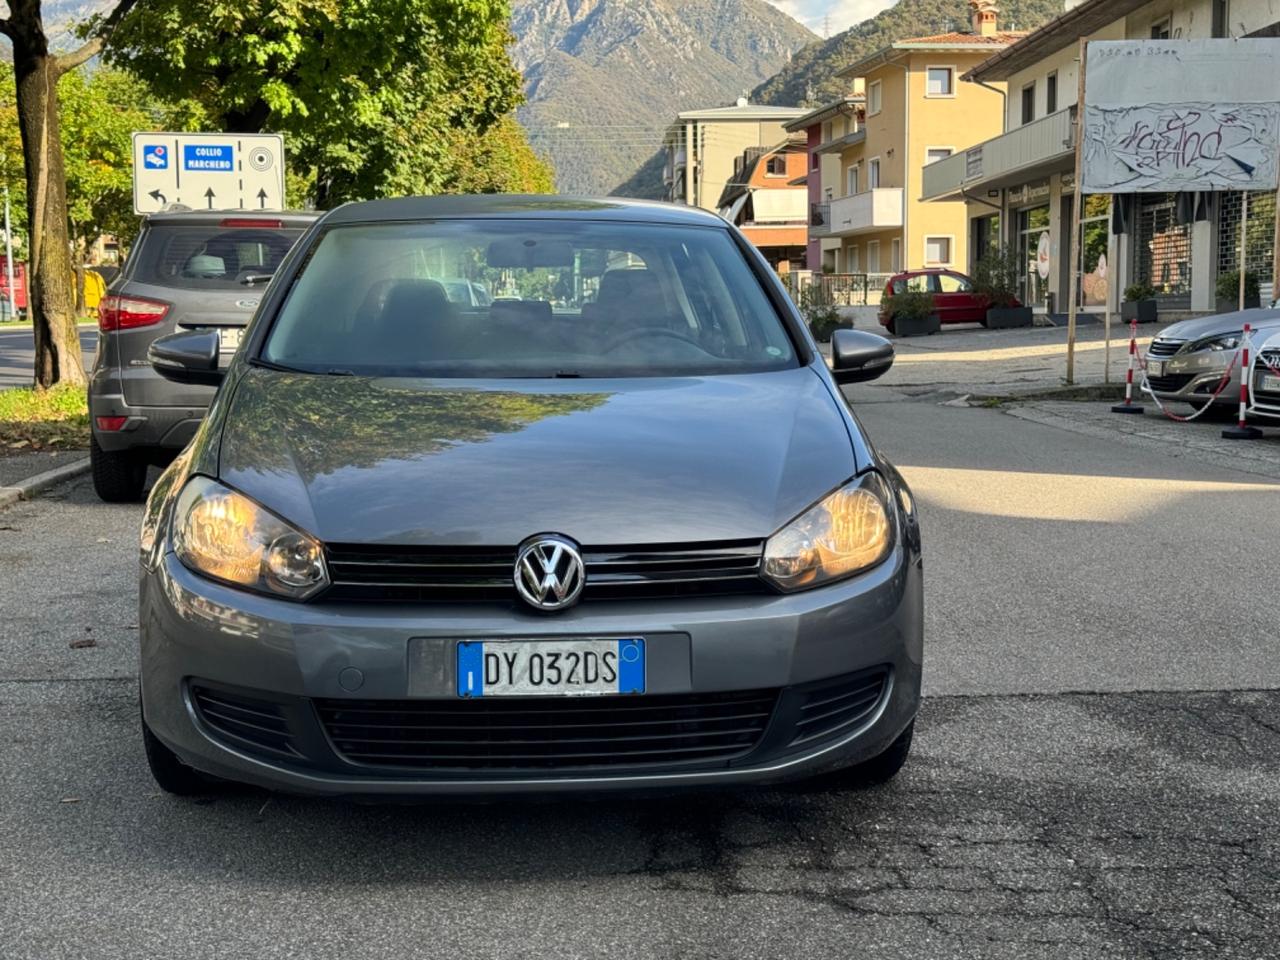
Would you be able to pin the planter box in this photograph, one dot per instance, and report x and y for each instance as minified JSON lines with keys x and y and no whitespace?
{"x":1145,"y":311}
{"x":914,"y":327}
{"x":824,"y":336}
{"x":1002,"y":318}
{"x":1232,"y":305}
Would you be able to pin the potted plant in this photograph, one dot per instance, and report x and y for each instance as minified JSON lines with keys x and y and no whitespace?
{"x":820,"y":313}
{"x":1139,"y":303}
{"x":995,"y":281}
{"x":911,"y":314}
{"x":1228,"y":290}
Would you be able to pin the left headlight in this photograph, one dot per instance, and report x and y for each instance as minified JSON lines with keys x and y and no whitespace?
{"x":846,"y":532}
{"x":1218,"y":342}
{"x":226,"y":536}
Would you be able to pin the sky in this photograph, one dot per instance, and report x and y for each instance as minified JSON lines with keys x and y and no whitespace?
{"x":843,"y":13}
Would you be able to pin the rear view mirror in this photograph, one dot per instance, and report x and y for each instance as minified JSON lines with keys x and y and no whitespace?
{"x":517,"y":254}
{"x":858,"y":356}
{"x":190,"y":356}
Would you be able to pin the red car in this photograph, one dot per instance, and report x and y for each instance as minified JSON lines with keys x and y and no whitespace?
{"x":953,"y":295}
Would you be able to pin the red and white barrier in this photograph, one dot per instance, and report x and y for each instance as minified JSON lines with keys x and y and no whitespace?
{"x":1129,"y":406}
{"x":1242,"y":430}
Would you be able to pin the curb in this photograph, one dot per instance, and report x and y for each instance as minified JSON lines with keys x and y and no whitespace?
{"x":33,"y":486}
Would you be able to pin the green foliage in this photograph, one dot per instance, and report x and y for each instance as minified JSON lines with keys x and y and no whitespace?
{"x":813,"y":68}
{"x":910,"y":305}
{"x":1139,"y":291}
{"x":33,"y":419}
{"x":1228,"y":286}
{"x":996,"y":276}
{"x":820,"y":312}
{"x":498,"y":160}
{"x":370,"y":94}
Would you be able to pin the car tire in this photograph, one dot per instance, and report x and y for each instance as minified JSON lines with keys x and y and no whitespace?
{"x":878,"y":770}
{"x":170,"y":773}
{"x":892,"y":328}
{"x":118,"y":476}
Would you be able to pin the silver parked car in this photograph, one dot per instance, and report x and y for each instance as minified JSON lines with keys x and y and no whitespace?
{"x":1186,"y":362}
{"x":188,"y":270}
{"x":427,"y":547}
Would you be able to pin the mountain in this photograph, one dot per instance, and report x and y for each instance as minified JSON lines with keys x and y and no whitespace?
{"x":604,"y":78}
{"x":809,"y":76}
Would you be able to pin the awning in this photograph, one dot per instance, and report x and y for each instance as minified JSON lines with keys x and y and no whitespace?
{"x":731,"y":212}
{"x":780,"y":206}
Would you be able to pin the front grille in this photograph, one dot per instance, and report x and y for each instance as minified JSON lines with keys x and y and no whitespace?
{"x":1170,"y":384}
{"x":840,"y":704}
{"x":245,"y":721}
{"x":409,"y":574}
{"x":548,"y":733}
{"x":1265,"y":369}
{"x":1163,"y":349}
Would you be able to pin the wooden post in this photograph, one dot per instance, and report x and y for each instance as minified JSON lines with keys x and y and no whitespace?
{"x":1077,"y":199}
{"x":1106,"y":317}
{"x":1244,"y":239}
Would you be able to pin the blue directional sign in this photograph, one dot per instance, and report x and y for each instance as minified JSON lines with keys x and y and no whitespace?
{"x":208,"y":157}
{"x":156,"y":157}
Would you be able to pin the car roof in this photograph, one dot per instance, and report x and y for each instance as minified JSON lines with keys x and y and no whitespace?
{"x":523,"y":206}
{"x":291,"y":218}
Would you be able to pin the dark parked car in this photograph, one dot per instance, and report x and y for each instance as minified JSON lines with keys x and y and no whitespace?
{"x":954,"y":297}
{"x":427,"y":547}
{"x":187,"y":271}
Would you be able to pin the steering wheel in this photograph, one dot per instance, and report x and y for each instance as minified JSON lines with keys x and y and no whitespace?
{"x":636,"y":334}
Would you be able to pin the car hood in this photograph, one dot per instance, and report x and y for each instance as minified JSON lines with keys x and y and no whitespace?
{"x":1220,"y":323}
{"x":606,"y":462}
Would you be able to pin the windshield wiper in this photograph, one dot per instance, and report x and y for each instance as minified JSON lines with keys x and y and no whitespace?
{"x":272,"y":365}
{"x":566,"y":375}
{"x":255,"y":278}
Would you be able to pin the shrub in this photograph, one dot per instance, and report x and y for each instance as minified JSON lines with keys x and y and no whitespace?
{"x":1229,"y":286}
{"x":822,"y":315}
{"x":1139,"y":291}
{"x":910,"y":305}
{"x":996,"y":276}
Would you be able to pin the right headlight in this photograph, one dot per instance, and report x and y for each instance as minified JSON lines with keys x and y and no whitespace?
{"x":846,"y":532}
{"x":222,"y":534}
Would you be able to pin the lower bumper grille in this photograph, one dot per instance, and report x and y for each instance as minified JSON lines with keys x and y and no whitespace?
{"x":538,"y":733}
{"x":1170,"y":384}
{"x":246,"y":722}
{"x":840,"y":704}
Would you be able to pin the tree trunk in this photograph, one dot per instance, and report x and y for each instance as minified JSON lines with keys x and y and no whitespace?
{"x":52,"y":301}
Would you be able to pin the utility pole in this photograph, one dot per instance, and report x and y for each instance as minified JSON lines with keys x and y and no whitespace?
{"x":826,"y":26}
{"x":1077,"y":199}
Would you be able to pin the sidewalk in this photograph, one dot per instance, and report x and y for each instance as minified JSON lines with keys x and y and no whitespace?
{"x":25,"y":475}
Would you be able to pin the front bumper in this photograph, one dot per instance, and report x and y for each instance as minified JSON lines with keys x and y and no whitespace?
{"x":1195,"y":379}
{"x":195,"y":632}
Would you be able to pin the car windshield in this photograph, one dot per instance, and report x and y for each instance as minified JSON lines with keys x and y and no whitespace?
{"x":546,"y":298}
{"x":209,"y":257}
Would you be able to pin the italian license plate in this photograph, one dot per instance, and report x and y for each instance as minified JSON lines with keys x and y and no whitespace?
{"x":563,"y":668}
{"x":1155,"y":368}
{"x":229,"y":338}
{"x":1270,"y":384}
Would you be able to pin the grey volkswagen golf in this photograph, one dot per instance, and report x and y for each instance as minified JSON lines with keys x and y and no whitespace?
{"x":610,"y":525}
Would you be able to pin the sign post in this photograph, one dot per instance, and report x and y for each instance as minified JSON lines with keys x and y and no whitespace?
{"x":207,"y":171}
{"x":1073,"y":271}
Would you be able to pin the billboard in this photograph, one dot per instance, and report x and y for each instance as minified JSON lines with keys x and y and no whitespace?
{"x":1165,"y":116}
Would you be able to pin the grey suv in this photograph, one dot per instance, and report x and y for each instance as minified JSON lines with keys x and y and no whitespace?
{"x":188,"y":270}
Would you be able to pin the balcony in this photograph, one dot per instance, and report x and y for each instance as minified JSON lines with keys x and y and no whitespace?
{"x":879,"y":209}
{"x":1033,"y":150}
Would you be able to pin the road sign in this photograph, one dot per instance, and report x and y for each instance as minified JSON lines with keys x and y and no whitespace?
{"x":208,"y":171}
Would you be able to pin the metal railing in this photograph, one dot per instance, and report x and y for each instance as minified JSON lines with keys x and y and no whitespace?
{"x":835,"y":289}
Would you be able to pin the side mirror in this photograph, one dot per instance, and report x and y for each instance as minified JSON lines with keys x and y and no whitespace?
{"x":190,"y":356}
{"x":858,"y":356}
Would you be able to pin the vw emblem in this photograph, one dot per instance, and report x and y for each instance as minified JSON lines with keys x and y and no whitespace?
{"x":549,"y":572}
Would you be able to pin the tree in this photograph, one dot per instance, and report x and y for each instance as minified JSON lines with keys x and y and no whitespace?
{"x":498,"y":160}
{"x":36,"y":73}
{"x":370,"y":94}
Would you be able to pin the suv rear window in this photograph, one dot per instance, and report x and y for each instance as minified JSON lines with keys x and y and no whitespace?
{"x":209,"y":256}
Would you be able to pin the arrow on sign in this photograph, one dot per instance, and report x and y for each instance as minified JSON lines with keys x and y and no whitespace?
{"x":262,"y":198}
{"x":209,"y":193}
{"x":157,"y":196}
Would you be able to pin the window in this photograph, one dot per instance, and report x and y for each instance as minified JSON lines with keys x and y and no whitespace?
{"x":940,"y":82}
{"x":895,"y":255}
{"x":851,"y":260}
{"x":546,"y":298}
{"x":1051,"y":93}
{"x":826,"y":132}
{"x":1160,"y":30}
{"x":813,"y":160}
{"x":209,"y":257}
{"x":950,"y":283}
{"x":873,"y":256}
{"x":1028,"y":103}
{"x":934,"y":154}
{"x":937,"y":251}
{"x":776,"y":167}
{"x":851,"y":180}
{"x":1221,"y":18}
{"x":873,"y":175}
{"x":874,"y":98}
{"x":920,"y":283}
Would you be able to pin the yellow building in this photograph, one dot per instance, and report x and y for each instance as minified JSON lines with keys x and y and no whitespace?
{"x":872,"y":220}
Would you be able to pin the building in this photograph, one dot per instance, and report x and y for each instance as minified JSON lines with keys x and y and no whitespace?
{"x":1018,"y":185}
{"x":829,"y":122}
{"x":768,"y":199}
{"x":871,"y":150}
{"x":702,"y":147}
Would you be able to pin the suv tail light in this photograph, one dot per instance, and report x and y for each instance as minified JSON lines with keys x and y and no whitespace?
{"x":121,"y":313}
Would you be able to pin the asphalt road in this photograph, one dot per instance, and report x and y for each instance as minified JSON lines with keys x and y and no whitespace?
{"x":18,"y":354}
{"x":1096,"y":771}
